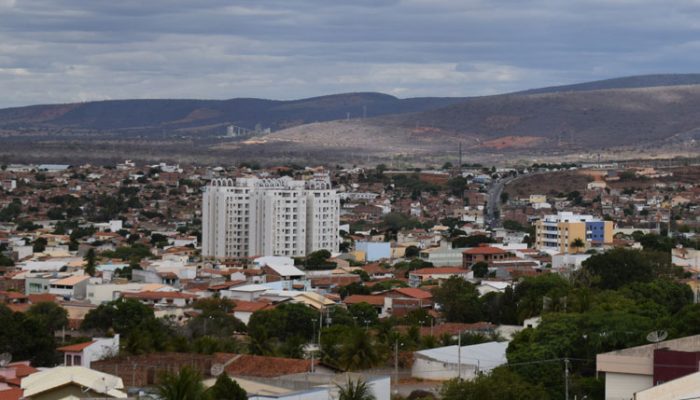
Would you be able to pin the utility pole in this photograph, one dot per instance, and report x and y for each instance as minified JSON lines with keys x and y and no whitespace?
{"x":460,"y":159}
{"x":459,"y":356}
{"x":396,"y":362}
{"x":320,"y":327}
{"x":566,"y":378}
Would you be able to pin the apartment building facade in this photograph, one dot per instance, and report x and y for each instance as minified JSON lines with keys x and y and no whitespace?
{"x":558,"y":233}
{"x":248,"y":217}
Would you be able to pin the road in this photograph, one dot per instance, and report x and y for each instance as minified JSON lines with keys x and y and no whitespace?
{"x":493,"y":205}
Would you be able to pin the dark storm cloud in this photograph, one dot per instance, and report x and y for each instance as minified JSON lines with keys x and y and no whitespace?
{"x":73,"y":50}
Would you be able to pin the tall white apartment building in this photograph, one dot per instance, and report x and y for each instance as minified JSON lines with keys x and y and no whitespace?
{"x":249,"y":217}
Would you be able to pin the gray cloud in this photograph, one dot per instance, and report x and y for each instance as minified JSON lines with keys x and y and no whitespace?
{"x":73,"y":50}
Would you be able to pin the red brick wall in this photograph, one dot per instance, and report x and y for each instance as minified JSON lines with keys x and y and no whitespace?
{"x":141,"y":371}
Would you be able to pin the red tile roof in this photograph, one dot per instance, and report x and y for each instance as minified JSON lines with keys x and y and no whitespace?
{"x":157,"y":295}
{"x":41,"y":298}
{"x":251,"y":306}
{"x":225,"y":285}
{"x":484,"y":250}
{"x":414,"y":293}
{"x":361,"y":298}
{"x":73,"y":348}
{"x":327,"y":281}
{"x":11,"y":394}
{"x":12,"y":295}
{"x":438,"y":271}
{"x":22,"y":368}
{"x":19,"y":307}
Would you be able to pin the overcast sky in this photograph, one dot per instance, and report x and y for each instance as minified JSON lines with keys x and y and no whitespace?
{"x":75,"y":50}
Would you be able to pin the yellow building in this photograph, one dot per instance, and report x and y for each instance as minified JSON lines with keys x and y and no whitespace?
{"x":559,"y":233}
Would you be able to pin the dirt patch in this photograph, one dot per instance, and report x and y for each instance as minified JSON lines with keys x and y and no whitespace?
{"x":513,"y":142}
{"x":552,"y":183}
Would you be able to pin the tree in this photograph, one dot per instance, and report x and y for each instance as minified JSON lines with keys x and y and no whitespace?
{"x":51,"y":315}
{"x":458,"y":300}
{"x":364,"y":314}
{"x":411,"y":252}
{"x":618,"y":267}
{"x":512,"y":225}
{"x":288,"y":321}
{"x":39,"y":245}
{"x":353,"y":288}
{"x":226,"y":388}
{"x":530,"y":294}
{"x":457,"y":185}
{"x":578,"y":244}
{"x":27,"y":337}
{"x":215,"y":318}
{"x":90,"y":258}
{"x":470,"y":241}
{"x":11,"y":211}
{"x":122,"y":315}
{"x":355,"y":390}
{"x":481,"y":269}
{"x":357,"y":350}
{"x":501,"y":383}
{"x":185,"y":385}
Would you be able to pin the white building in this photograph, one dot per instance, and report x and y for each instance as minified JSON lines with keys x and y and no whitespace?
{"x":283,"y":217}
{"x":72,"y":287}
{"x":82,"y":354}
{"x":443,"y":363}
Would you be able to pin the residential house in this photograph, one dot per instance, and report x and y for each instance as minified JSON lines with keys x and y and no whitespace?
{"x":483,"y":253}
{"x":418,"y":276}
{"x":245,"y":309}
{"x":72,"y":287}
{"x":83,"y":354}
{"x":72,"y":382}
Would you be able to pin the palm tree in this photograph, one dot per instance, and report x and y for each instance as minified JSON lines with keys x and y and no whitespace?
{"x":90,"y":259}
{"x":226,"y":388}
{"x":577,"y":244}
{"x":355,"y":390}
{"x":185,"y":385}
{"x":358,"y":351}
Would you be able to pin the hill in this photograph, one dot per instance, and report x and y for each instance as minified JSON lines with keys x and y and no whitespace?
{"x":155,"y":116}
{"x":630,"y":82}
{"x":579,"y":120}
{"x":575,"y":120}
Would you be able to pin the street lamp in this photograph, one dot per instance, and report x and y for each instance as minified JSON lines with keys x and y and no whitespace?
{"x":396,"y":361}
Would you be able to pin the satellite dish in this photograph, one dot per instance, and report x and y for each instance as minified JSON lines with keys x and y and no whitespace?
{"x":216,"y":369}
{"x":657,"y":336}
{"x":102,"y":383}
{"x":5,"y":359}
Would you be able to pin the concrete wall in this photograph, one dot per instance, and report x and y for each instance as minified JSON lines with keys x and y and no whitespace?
{"x":424,"y":368}
{"x":374,"y":250}
{"x":623,"y":386}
